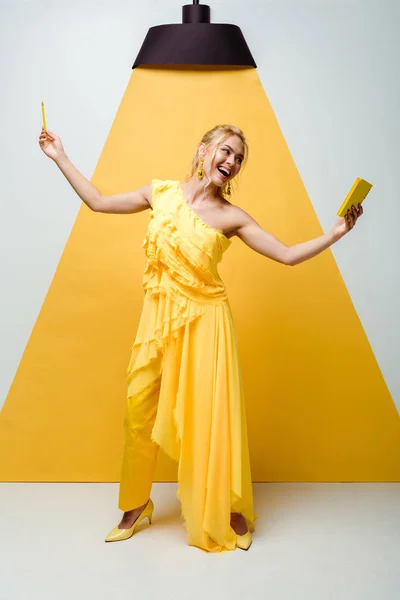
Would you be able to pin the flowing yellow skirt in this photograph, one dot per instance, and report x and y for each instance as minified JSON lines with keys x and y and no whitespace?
{"x":185,"y":395}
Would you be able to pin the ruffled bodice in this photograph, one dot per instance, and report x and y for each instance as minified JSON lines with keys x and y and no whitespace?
{"x":182,"y":250}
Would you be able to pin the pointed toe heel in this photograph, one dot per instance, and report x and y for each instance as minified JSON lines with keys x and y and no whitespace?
{"x":118,"y":534}
{"x":244,"y":541}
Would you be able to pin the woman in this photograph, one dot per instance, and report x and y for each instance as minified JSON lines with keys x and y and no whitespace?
{"x":185,"y":389}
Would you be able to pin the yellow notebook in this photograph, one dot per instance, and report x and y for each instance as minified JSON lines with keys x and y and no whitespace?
{"x":356,"y":195}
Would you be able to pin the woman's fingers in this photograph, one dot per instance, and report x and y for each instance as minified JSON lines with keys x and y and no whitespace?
{"x":349,"y":219}
{"x":51,"y":134}
{"x":355,"y":213}
{"x":352,"y":215}
{"x":45,"y":135}
{"x":43,"y":138}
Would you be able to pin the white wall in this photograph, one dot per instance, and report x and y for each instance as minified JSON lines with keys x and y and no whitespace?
{"x":330,"y":70}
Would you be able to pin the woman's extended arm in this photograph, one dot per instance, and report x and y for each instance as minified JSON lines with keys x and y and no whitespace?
{"x":250,"y":232}
{"x":129,"y":202}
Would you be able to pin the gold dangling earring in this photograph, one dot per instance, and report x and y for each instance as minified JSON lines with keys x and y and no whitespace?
{"x":226,"y":188}
{"x":200,"y":172}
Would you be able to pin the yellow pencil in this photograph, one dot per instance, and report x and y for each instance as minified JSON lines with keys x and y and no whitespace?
{"x":43,"y":116}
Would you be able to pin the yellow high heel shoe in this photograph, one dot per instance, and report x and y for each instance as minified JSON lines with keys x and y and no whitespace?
{"x":118,"y":534}
{"x":244,"y":541}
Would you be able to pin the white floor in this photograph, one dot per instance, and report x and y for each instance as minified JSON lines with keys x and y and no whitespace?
{"x":322,"y":541}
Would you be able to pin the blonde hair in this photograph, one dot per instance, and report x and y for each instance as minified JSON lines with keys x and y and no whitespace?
{"x":215,"y":137}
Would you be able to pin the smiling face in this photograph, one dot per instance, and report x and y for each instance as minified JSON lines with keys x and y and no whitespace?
{"x":227,"y":160}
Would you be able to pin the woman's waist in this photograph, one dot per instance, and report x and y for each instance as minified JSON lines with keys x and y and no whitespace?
{"x":193,"y":288}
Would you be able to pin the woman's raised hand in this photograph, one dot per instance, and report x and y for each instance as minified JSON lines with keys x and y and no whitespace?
{"x":51,"y":144}
{"x":344,"y":224}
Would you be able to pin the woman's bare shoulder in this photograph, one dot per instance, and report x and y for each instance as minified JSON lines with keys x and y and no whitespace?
{"x":234,"y":217}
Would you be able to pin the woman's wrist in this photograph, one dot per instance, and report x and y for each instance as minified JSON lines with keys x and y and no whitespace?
{"x":61,"y":159}
{"x":333,"y":236}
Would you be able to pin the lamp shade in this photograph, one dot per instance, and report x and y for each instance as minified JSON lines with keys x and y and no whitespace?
{"x":195,"y":41}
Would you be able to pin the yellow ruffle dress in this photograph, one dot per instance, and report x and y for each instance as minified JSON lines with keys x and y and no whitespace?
{"x":186,"y":340}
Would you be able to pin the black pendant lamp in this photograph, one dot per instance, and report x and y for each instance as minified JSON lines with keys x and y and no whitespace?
{"x":195,"y":41}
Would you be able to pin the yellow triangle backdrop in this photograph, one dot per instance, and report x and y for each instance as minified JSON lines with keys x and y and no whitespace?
{"x":318,"y":408}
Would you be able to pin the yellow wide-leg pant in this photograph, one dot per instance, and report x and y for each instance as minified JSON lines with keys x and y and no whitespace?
{"x":140,"y":452}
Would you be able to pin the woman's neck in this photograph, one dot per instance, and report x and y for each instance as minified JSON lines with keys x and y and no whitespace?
{"x":196,"y":192}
